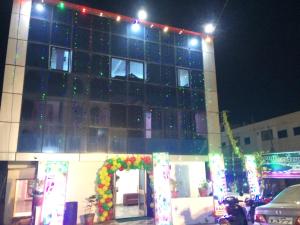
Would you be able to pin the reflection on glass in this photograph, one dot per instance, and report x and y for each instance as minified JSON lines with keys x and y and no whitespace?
{"x":183,"y":77}
{"x":60,"y":59}
{"x":136,"y":70}
{"x":118,"y":68}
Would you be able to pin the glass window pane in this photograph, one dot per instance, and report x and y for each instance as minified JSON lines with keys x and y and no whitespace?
{"x":136,"y":70}
{"x":99,"y":115}
{"x":79,"y":113}
{"x":135,"y":117}
{"x":32,"y":110}
{"x":168,"y":76}
{"x":167,"y":54}
{"x":152,"y":34}
{"x":136,"y":30}
{"x":81,"y":62}
{"x":100,"y":66}
{"x":76,"y":139}
{"x":197,"y":80}
{"x":184,"y":98}
{"x":39,"y":30}
{"x":167,"y":38}
{"x":41,"y":14}
{"x":136,"y":49}
{"x":181,"y":40}
{"x":196,"y":60}
{"x":153,"y":73}
{"x":79,"y":88}
{"x":169,"y":97}
{"x":101,"y":23}
{"x":82,"y":19}
{"x":30,"y":138}
{"x":81,"y":38}
{"x":60,"y":59}
{"x":183,"y":78}
{"x":119,"y":28}
{"x":97,"y":140}
{"x":54,"y":139}
{"x":62,"y":15}
{"x":182,"y":57}
{"x":54,"y":111}
{"x":152,"y":52}
{"x":118,"y":91}
{"x":198,"y":100}
{"x":61,"y":35}
{"x":99,"y":89}
{"x":135,"y":93}
{"x":118,"y":140}
{"x":37,"y":55}
{"x":185,"y":124}
{"x":35,"y":82}
{"x":57,"y":84}
{"x":100,"y":42}
{"x":200,"y":122}
{"x":118,"y":46}
{"x":135,"y":141}
{"x":170,"y":124}
{"x":118,"y":68}
{"x":118,"y":115}
{"x":154,"y":95}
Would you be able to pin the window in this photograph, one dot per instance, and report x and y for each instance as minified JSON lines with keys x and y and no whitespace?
{"x":267,"y":135}
{"x":135,"y":142}
{"x":135,"y":93}
{"x":81,"y":62}
{"x":196,"y":60}
{"x":169,"y":97}
{"x":183,"y":78}
{"x":53,"y":139}
{"x":152,"y":52}
{"x":60,"y":59}
{"x":100,"y":42}
{"x":97,"y":140}
{"x":39,"y":31}
{"x":184,"y":98}
{"x":135,"y":117}
{"x":170,"y":124}
{"x":99,"y":89}
{"x":182,"y":57}
{"x":136,"y":70}
{"x":99,"y":115}
{"x":35,"y":82}
{"x":81,"y":38}
{"x":37,"y":55}
{"x":57,"y":84}
{"x":82,"y":19}
{"x":100,"y":66}
{"x":247,"y":141}
{"x":32,"y":109}
{"x":75,"y":139}
{"x":118,"y":91}
{"x":64,"y":16}
{"x":118,"y":116}
{"x":296,"y":131}
{"x":167,"y":38}
{"x":79,"y":87}
{"x":118,"y":141}
{"x":154,"y":95}
{"x":101,"y":23}
{"x":30,"y":138}
{"x":198,"y":100}
{"x":153,"y":73}
{"x":118,"y":46}
{"x":167,"y":54}
{"x":61,"y":35}
{"x":118,"y":68}
{"x":197,"y":79}
{"x":282,"y":134}
{"x":152,"y":34}
{"x":168,"y":76}
{"x":136,"y":49}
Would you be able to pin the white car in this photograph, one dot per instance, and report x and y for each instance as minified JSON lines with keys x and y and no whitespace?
{"x":283,"y":209}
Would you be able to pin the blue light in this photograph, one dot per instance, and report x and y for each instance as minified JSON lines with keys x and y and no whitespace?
{"x":193,"y":42}
{"x":135,"y":27}
{"x":39,"y":7}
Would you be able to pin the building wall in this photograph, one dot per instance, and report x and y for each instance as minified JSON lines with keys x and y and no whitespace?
{"x":254,"y":131}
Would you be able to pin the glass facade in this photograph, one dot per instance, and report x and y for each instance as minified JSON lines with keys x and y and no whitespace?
{"x":93,"y":84}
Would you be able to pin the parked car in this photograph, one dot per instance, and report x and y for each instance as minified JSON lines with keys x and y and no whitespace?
{"x":283,"y":209}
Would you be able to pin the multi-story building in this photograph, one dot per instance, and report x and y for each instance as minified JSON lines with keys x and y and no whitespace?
{"x":278,"y":134}
{"x":83,"y":85}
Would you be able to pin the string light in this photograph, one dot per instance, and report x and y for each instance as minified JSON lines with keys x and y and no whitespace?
{"x":61,"y":5}
{"x":180,"y":32}
{"x":118,"y":18}
{"x":101,"y":14}
{"x":142,"y":14}
{"x":166,"y":29}
{"x":152,"y":25}
{"x":83,"y":10}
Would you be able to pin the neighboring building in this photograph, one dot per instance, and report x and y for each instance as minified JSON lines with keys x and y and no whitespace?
{"x":82,"y":85}
{"x":278,"y":134}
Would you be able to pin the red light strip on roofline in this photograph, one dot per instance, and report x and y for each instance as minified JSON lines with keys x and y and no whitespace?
{"x":98,"y":12}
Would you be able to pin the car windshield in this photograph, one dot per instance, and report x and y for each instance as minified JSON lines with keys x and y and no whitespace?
{"x":288,"y":195}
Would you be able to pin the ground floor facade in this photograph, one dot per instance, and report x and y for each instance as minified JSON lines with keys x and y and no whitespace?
{"x":46,"y":185}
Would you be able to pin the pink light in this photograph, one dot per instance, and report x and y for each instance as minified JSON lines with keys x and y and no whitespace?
{"x":83,"y":10}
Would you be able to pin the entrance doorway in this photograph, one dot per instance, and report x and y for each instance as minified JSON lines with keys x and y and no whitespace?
{"x":130,"y":189}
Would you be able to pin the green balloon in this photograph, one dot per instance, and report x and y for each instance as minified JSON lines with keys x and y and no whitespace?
{"x":110,"y":161}
{"x":108,"y":192}
{"x":110,"y":171}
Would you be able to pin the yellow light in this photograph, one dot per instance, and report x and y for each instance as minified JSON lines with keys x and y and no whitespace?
{"x":208,"y":39}
{"x":166,"y":29}
{"x":118,"y":18}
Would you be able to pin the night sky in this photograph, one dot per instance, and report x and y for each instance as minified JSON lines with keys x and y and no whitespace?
{"x":257,"y":46}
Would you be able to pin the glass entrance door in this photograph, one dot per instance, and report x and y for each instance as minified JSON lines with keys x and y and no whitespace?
{"x":142,"y":193}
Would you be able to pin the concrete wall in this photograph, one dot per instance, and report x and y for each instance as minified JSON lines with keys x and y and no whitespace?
{"x":13,"y":79}
{"x":285,"y":122}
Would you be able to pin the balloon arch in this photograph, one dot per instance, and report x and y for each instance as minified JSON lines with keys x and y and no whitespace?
{"x":104,"y":178}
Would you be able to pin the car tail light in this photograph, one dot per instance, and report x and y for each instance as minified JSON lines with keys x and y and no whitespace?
{"x":297,"y":221}
{"x":260,"y":218}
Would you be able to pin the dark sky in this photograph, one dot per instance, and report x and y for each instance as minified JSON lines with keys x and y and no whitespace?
{"x":257,"y":46}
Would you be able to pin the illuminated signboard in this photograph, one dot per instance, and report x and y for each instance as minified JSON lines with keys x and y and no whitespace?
{"x":54,"y":193}
{"x":162,"y":191}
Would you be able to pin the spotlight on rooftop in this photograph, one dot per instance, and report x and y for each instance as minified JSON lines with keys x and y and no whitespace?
{"x":39,"y":7}
{"x":135,"y":27}
{"x":193,"y":42}
{"x":142,"y":14}
{"x":209,"y":28}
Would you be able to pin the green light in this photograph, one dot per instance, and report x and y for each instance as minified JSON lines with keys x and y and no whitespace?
{"x":61,"y":5}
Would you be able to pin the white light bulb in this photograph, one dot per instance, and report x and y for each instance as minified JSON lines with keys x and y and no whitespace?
{"x":39,"y":7}
{"x":193,"y":42}
{"x":135,"y":27}
{"x":142,"y":14}
{"x":209,"y":28}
